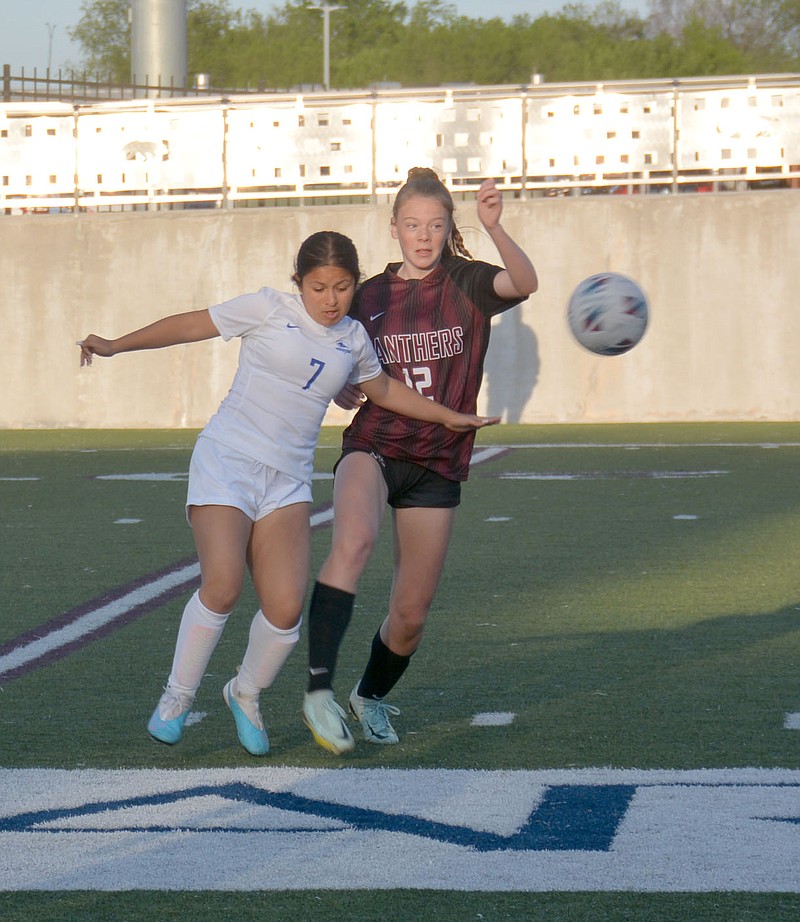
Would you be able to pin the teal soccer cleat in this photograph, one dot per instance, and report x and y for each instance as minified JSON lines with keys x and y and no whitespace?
{"x":249,"y":725}
{"x":373,"y":713}
{"x":167,"y":720}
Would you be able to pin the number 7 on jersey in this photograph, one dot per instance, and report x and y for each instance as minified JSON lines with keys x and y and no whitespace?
{"x":319,"y":366}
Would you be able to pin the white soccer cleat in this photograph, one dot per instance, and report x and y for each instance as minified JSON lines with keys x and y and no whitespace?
{"x":327,"y":722}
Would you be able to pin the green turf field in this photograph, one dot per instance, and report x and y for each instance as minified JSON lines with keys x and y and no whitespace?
{"x":629,"y":593}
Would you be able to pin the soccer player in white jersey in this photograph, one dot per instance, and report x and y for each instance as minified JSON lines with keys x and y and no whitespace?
{"x":249,"y":490}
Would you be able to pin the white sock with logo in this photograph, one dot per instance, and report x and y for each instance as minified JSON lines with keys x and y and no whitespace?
{"x":198,"y":637}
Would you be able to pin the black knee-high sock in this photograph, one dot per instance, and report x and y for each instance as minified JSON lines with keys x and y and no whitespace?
{"x":383,"y":671}
{"x":328,"y":618}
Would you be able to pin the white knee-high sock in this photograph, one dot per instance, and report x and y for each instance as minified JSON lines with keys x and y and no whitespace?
{"x":267,"y":650}
{"x":198,"y":636}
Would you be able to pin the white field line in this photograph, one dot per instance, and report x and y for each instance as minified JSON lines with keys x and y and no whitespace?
{"x":480,"y":455}
{"x":94,"y":619}
{"x":637,"y":445}
{"x":632,"y":445}
{"x":493,"y":719}
{"x":103,"y":615}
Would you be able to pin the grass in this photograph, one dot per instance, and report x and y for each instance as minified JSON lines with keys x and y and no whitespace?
{"x":620,"y":631}
{"x":399,"y":906}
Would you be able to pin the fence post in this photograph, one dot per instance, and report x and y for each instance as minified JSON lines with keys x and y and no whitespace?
{"x":6,"y":83}
{"x":225,"y":203}
{"x":676,"y":136}
{"x":523,"y":193}
{"x":373,"y":180}
{"x":76,"y":175}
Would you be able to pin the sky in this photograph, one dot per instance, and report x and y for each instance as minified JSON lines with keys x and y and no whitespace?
{"x":34,"y":33}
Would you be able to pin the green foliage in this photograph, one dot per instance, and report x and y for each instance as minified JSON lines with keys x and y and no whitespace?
{"x":427,"y":43}
{"x":704,"y":46}
{"x":104,"y":34}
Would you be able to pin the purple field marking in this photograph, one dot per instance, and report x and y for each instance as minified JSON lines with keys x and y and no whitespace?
{"x":74,"y":629}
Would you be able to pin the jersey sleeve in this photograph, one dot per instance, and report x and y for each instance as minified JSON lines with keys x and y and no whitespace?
{"x":477,"y":279}
{"x":241,"y":314}
{"x":367,"y":364}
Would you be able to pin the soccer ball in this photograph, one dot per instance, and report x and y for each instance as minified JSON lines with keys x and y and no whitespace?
{"x":608,"y":313}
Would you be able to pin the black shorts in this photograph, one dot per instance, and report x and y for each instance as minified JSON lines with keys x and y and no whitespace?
{"x":411,"y":485}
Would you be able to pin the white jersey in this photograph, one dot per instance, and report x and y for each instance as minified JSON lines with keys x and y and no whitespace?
{"x":290,"y":368}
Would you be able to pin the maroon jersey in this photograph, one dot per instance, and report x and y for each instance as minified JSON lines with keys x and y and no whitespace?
{"x":432,"y":334}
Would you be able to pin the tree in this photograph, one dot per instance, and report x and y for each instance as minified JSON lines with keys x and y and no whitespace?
{"x":428,"y":44}
{"x":704,"y":49}
{"x":104,"y":35}
{"x":767,"y":32}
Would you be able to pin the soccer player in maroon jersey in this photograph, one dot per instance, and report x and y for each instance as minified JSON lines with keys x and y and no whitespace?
{"x":429,"y":318}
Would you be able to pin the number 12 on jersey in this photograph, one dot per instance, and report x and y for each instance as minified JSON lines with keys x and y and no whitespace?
{"x":421,"y":379}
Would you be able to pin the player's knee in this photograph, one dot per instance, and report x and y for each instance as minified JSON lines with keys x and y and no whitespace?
{"x":354,"y":553}
{"x":285,"y":625}
{"x":286,"y":618}
{"x":284,"y":611}
{"x":220,"y":597}
{"x":410,"y":618}
{"x":406,"y":638}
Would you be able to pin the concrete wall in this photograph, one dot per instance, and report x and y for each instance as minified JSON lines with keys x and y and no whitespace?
{"x":722,"y":273}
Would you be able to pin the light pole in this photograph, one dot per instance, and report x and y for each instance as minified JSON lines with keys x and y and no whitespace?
{"x":326,"y":40}
{"x":50,"y":30}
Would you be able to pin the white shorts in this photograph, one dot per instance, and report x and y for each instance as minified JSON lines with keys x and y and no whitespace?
{"x":220,"y":476}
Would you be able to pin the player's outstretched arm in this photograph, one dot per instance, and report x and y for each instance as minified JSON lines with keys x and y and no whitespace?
{"x":190,"y":327}
{"x":393,"y":395}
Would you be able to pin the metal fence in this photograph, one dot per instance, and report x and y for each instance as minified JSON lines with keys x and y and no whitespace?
{"x":253,"y":149}
{"x":61,"y":86}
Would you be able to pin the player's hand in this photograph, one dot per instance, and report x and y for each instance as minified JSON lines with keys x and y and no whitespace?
{"x":349,"y":397}
{"x":94,"y":345}
{"x":466,"y":422}
{"x":490,"y":204}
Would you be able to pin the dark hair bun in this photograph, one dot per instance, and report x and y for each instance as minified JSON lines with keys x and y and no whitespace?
{"x":423,"y":172}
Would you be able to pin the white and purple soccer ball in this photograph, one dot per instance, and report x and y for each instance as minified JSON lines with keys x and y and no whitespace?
{"x":608,"y":313}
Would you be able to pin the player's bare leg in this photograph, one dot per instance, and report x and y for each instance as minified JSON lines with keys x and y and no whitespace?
{"x":359,"y":506}
{"x":221,"y":535}
{"x":279,"y":558}
{"x":359,"y":501}
{"x":421,"y":539}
